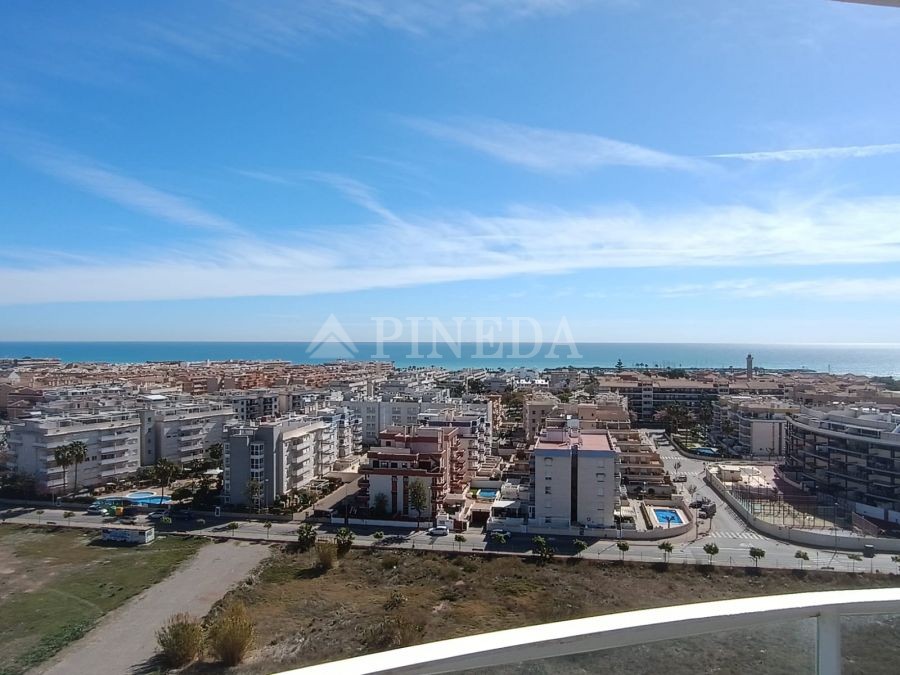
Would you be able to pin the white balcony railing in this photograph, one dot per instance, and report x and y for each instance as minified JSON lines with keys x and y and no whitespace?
{"x":628,"y":629}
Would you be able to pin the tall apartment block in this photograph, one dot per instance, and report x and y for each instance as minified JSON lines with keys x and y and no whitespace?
{"x":113,"y":441}
{"x":180,"y":432}
{"x":279,"y":456}
{"x":850,"y":455}
{"x":574,"y":478}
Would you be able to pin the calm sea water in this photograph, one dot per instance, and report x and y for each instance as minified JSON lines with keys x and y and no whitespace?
{"x":859,"y":359}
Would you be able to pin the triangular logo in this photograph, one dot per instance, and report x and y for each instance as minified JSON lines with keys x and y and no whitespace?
{"x":332,"y":341}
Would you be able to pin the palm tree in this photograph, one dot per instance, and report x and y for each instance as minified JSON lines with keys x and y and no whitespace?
{"x":77,"y":454}
{"x":164,"y":471}
{"x":666,"y":547}
{"x":63,"y":458}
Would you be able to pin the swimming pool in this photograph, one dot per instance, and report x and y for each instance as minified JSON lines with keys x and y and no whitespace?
{"x":147,"y":498}
{"x":487,"y":493}
{"x":667,"y":516}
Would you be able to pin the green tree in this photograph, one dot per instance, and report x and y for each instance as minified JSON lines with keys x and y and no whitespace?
{"x":78,"y":453}
{"x":215,"y":453}
{"x":620,"y":366}
{"x":580,"y":546}
{"x":459,"y":539}
{"x":623,"y":546}
{"x":68,"y":514}
{"x":801,"y":556}
{"x":39,"y":512}
{"x":254,"y":492}
{"x":268,"y":526}
{"x":418,"y":499}
{"x":344,"y":539}
{"x":164,"y":471}
{"x":501,"y":538}
{"x":542,"y":547}
{"x":666,"y":547}
{"x":233,"y":526}
{"x":711,"y":550}
{"x":756,"y":554}
{"x":381,"y":502}
{"x":306,"y":536}
{"x":62,"y":456}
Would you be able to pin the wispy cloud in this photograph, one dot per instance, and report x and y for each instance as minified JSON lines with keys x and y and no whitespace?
{"x":828,"y":288}
{"x":548,"y":150}
{"x":224,"y":32}
{"x":839,"y":152}
{"x":110,"y":184}
{"x":413,"y":250}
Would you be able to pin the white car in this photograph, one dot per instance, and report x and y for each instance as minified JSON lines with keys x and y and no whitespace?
{"x":439,"y":531}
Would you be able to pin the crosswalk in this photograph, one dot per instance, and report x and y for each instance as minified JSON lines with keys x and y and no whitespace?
{"x":735,"y":535}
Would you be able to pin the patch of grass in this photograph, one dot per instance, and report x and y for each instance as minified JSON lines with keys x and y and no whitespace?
{"x":58,"y":584}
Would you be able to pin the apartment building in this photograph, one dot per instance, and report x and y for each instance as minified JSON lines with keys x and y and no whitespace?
{"x":606,"y":411}
{"x":431,"y":455}
{"x":112,"y":438}
{"x":265,"y":460}
{"x":848,"y":454}
{"x":180,"y":431}
{"x":642,"y":471}
{"x":574,"y":478}
{"x":753,"y":426}
{"x":474,"y":432}
{"x":375,"y":416}
{"x":347,"y":429}
{"x":253,"y":404}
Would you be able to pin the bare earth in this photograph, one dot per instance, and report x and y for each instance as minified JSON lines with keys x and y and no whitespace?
{"x":125,"y":640}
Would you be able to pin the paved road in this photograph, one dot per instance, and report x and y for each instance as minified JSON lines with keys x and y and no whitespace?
{"x":125,"y":639}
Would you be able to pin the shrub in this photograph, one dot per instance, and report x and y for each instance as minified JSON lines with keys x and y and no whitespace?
{"x":328,"y":554}
{"x":306,"y":537}
{"x":389,"y":562}
{"x":396,"y":600}
{"x":378,"y":535}
{"x":231,"y":634}
{"x":180,"y":640}
{"x":344,"y":540}
{"x":397,"y":630}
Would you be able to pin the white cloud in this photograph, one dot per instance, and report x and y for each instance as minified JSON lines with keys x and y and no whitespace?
{"x":829,"y":288}
{"x":549,"y":150}
{"x":840,"y":152}
{"x":109,"y":184}
{"x":408,"y":251}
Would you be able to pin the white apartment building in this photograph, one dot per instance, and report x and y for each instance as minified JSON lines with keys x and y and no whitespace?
{"x":180,"y":431}
{"x":252,"y":404}
{"x":112,"y":438}
{"x":754,"y":426}
{"x":574,"y":479}
{"x":279,"y":456}
{"x":606,"y":411}
{"x":377,"y":415}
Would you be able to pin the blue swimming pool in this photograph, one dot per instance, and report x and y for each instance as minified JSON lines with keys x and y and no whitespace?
{"x":487,"y":493}
{"x":147,"y":498}
{"x":667,"y":516}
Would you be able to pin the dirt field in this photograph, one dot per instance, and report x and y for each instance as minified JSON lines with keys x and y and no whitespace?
{"x":378,"y":600}
{"x":55,"y":584}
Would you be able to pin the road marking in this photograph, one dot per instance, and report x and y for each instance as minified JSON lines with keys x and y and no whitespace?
{"x":736,"y":535}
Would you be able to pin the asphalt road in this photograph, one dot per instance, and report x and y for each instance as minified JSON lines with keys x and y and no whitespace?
{"x":687,"y":549}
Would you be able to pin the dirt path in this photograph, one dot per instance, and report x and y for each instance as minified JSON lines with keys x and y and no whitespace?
{"x":125,"y":639}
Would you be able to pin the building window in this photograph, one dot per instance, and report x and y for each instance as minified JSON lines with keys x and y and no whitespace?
{"x":548,"y":461}
{"x":546,"y":489}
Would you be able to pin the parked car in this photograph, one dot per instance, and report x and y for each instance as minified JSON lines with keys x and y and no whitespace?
{"x":128,"y":520}
{"x":96,"y":510}
{"x":699,"y":503}
{"x":500,"y":533}
{"x":158,"y":515}
{"x":680,"y":478}
{"x":439,"y":531}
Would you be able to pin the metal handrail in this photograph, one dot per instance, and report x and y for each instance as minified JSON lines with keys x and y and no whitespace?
{"x":627,"y":629}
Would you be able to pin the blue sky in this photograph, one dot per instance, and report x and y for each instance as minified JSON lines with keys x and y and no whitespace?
{"x":651,"y":170}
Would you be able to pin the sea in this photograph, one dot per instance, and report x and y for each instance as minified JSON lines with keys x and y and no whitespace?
{"x":860,"y":359}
